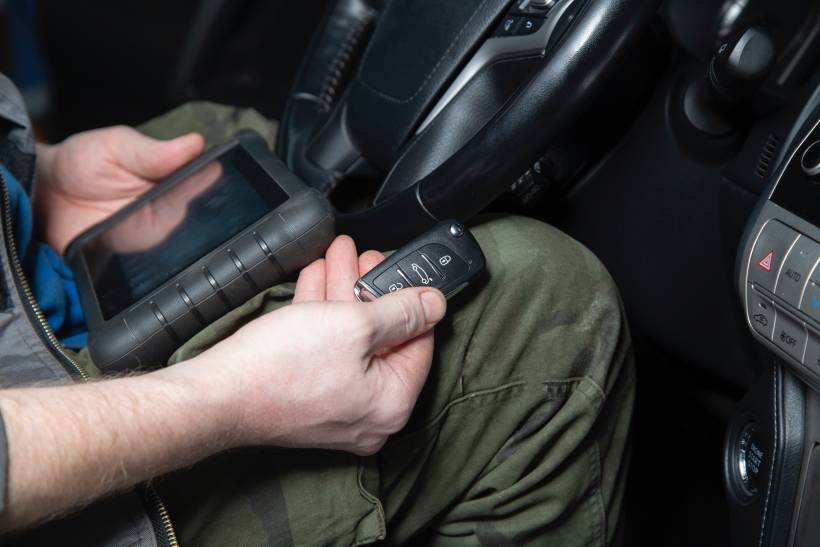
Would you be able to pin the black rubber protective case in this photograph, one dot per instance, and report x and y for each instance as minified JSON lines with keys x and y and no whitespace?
{"x":266,"y":253}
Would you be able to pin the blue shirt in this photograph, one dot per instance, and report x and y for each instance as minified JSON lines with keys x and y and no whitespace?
{"x":52,"y":282}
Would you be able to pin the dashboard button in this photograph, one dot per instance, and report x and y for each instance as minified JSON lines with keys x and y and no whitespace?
{"x":509,"y":26}
{"x":761,"y":313}
{"x":790,"y":336}
{"x":530,"y":25}
{"x":812,"y":360}
{"x":773,"y":243}
{"x":811,"y":299}
{"x":796,"y":269}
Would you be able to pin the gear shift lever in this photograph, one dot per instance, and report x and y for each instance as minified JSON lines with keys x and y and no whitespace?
{"x":716,"y":104}
{"x":741,"y":64}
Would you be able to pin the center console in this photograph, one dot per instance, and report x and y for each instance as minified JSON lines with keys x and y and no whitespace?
{"x":772,"y":453}
{"x":780,"y":272}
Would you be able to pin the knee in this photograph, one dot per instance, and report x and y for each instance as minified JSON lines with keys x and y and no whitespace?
{"x":555,"y":299}
{"x":541,"y":261}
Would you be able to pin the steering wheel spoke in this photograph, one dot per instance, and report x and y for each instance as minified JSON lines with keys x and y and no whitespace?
{"x":448,"y":102}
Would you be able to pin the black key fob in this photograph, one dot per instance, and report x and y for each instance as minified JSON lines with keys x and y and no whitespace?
{"x":447,"y":258}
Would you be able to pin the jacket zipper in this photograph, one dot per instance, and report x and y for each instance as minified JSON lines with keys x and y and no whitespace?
{"x":164,"y":517}
{"x":45,"y":329}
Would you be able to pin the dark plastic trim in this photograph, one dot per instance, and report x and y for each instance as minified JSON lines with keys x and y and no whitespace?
{"x":574,"y":75}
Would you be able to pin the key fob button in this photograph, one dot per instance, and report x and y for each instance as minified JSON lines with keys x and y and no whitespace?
{"x":391,"y":281}
{"x":445,"y":260}
{"x":420,"y":271}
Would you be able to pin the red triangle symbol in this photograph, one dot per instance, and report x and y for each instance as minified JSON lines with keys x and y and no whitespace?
{"x":766,"y":263}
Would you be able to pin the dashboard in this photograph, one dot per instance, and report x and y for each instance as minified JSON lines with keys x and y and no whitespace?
{"x":780,"y":274}
{"x":772,"y":460}
{"x":712,"y":234}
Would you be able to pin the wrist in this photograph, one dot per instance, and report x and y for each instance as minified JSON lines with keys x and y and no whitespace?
{"x":213,"y":397}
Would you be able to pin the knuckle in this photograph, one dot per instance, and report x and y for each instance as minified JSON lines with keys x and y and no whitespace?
{"x":396,"y":414}
{"x":371,"y":446}
{"x":402,"y":415}
{"x":408,"y":402}
{"x":398,"y":422}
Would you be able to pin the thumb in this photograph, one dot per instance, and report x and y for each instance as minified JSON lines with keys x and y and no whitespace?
{"x":402,"y":316}
{"x":154,"y":159}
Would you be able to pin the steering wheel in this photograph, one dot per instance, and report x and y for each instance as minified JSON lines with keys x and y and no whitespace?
{"x":446,"y":103}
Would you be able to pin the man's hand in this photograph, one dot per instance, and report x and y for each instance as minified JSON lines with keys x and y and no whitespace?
{"x":153,"y":222}
{"x":328,"y":371}
{"x":325,"y":372}
{"x":90,"y":176}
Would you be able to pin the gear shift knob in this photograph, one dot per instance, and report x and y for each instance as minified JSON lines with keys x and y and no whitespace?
{"x":741,"y":64}
{"x":721,"y":103}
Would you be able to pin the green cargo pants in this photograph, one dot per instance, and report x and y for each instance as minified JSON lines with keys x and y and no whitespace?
{"x":519,"y":436}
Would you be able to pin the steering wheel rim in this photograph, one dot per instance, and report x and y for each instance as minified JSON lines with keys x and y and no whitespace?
{"x":568,"y":80}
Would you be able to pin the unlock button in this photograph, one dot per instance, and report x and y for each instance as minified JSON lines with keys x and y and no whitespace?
{"x":392,"y":280}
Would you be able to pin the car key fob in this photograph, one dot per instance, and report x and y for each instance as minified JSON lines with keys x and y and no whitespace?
{"x":447,"y":258}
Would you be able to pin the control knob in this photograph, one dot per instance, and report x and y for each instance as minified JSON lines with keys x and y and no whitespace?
{"x":810,"y":162}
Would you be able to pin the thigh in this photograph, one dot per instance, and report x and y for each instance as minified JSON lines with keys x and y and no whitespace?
{"x":215,"y":122}
{"x":519,"y":434}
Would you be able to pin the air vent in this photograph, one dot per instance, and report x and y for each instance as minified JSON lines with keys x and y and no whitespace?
{"x":764,"y":162}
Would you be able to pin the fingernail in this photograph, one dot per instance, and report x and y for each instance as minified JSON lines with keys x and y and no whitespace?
{"x":434,"y":306}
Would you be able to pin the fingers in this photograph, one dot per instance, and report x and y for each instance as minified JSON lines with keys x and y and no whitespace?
{"x":342,"y":269}
{"x":368,"y":261}
{"x":334,"y":277}
{"x":154,"y":159}
{"x":402,"y":316}
{"x":310,"y":287}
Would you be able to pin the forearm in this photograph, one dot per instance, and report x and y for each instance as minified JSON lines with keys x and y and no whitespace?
{"x":73,"y":444}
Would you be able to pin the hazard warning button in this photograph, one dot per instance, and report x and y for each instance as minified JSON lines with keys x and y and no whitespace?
{"x":765,"y":263}
{"x":771,"y":248}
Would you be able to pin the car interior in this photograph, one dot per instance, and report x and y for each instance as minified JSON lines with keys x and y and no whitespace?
{"x":678,"y":140}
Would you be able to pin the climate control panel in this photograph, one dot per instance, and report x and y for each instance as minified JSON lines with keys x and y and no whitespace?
{"x":780,"y":265}
{"x":783,"y":292}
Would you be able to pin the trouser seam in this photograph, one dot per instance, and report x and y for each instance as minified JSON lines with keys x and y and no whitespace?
{"x":440,"y":416}
{"x":545,"y":395}
{"x":376,"y":503}
{"x":505,"y":387}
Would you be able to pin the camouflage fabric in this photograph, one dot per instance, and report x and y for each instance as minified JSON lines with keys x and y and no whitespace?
{"x":216,"y":122}
{"x":520,"y":436}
